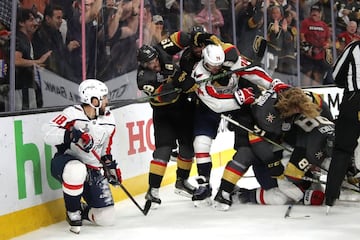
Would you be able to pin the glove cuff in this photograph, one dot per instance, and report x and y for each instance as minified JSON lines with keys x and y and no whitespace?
{"x":67,"y":138}
{"x":106,"y":158}
{"x":240,"y":98}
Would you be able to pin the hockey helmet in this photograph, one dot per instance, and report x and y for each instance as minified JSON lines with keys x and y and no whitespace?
{"x":92,"y":88}
{"x":196,"y":29}
{"x":213,"y":55}
{"x":146,"y":53}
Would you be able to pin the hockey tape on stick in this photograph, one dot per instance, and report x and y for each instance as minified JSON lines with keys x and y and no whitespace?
{"x":253,"y":132}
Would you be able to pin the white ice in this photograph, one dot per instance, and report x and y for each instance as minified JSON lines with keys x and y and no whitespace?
{"x":178,"y":219}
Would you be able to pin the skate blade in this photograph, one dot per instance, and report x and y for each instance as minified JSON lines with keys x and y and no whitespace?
{"x":154,"y":205}
{"x":182,"y":193}
{"x":203,"y":203}
{"x":75,"y":229}
{"x":221,"y":206}
{"x":327,"y":210}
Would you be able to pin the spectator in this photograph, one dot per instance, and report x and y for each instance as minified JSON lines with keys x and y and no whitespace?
{"x":210,"y":17}
{"x":325,"y":5}
{"x":119,"y":39}
{"x":171,"y":15}
{"x":276,"y":35}
{"x":49,"y":38}
{"x":92,"y":9}
{"x":348,"y":10}
{"x":38,"y":4}
{"x":226,"y":30}
{"x":249,"y":22}
{"x":346,"y":37}
{"x":286,"y":41}
{"x":191,"y":8}
{"x":27,"y":90}
{"x":67,"y":6}
{"x":157,"y":29}
{"x":315,"y":39}
{"x":4,"y":63}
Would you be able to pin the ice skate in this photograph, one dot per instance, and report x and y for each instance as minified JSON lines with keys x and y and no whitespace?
{"x":184,"y":188}
{"x":202,"y":195}
{"x":222,"y":201}
{"x":74,"y":220}
{"x":153,"y":196}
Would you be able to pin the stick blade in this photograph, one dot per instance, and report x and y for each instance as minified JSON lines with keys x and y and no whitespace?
{"x":147,"y":207}
{"x":288,"y":210}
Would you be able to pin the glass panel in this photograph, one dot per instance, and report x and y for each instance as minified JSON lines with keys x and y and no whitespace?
{"x":66,"y":47}
{"x":5,"y":25}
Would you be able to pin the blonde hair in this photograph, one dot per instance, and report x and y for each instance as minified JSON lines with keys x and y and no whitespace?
{"x":293,"y":101}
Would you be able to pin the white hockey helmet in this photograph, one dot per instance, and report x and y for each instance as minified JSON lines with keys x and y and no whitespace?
{"x":92,"y":88}
{"x":213,"y":55}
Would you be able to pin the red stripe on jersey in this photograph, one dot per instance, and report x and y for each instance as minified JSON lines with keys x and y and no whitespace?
{"x":202,"y":155}
{"x":261,"y":198}
{"x":178,"y":39}
{"x":256,"y":72}
{"x":230,"y":169}
{"x":108,"y":147}
{"x":256,"y":140}
{"x":72,"y":187}
{"x":226,"y":50}
{"x":211,"y":91}
{"x":184,"y":159}
{"x":158,"y":163}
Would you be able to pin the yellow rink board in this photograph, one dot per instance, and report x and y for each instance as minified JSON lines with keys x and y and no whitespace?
{"x":31,"y":219}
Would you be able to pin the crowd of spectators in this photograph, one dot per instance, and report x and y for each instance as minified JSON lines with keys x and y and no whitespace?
{"x":301,"y":41}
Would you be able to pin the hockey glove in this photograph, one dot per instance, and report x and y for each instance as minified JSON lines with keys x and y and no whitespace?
{"x":201,"y":39}
{"x":278,"y":86}
{"x":244,"y":96}
{"x":86,"y":140}
{"x":297,"y":166}
{"x":314,"y":197}
{"x":111,"y":171}
{"x":276,"y":169}
{"x":184,"y":81}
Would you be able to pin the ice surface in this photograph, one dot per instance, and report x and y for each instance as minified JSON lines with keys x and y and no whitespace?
{"x":178,"y":219}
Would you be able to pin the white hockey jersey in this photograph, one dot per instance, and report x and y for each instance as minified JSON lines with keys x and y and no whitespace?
{"x":102,"y":129}
{"x":221,"y":98}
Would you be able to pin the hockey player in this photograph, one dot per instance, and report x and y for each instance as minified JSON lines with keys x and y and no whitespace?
{"x":83,"y":136}
{"x":157,"y":76}
{"x":293,"y":117}
{"x":218,"y":96}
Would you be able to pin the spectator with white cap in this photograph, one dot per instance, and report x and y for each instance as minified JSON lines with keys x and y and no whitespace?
{"x":157,"y":29}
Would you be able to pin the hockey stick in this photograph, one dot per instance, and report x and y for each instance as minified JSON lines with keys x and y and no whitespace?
{"x":123,"y":102}
{"x":114,"y":182}
{"x":305,"y":178}
{"x":255,"y":133}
